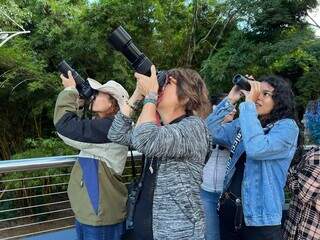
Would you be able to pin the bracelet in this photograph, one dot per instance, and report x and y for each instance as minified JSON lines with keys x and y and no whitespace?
{"x":152,"y":95}
{"x":150,"y":100}
{"x":134,"y":108}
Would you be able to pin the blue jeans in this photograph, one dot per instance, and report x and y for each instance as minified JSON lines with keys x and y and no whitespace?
{"x":107,"y":232}
{"x":209,"y":202}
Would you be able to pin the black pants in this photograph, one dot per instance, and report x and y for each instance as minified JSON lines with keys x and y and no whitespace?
{"x":228,"y":232}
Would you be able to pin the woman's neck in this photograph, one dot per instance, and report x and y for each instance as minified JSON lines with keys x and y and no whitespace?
{"x":171,"y":114}
{"x":103,"y":114}
{"x":264,"y":120}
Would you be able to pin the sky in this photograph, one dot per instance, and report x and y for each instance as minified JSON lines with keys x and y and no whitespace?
{"x":315,"y":14}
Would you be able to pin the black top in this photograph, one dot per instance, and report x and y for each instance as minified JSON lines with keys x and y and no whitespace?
{"x":229,"y":208}
{"x":236,"y":181}
{"x":72,"y":126}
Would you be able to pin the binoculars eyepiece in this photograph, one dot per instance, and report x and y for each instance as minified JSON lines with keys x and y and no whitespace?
{"x":241,"y":82}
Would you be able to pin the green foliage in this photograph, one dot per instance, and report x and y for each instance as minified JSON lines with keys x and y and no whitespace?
{"x":44,"y":148}
{"x":219,"y":38}
{"x":293,"y":54}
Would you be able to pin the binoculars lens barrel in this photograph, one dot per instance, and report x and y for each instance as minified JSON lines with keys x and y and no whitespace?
{"x":64,"y":67}
{"x":119,"y":38}
{"x":241,"y":82}
{"x":123,"y":43}
{"x":82,"y":85}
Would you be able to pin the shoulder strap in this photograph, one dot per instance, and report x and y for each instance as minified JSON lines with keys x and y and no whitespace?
{"x":133,"y":165}
{"x":210,"y":145}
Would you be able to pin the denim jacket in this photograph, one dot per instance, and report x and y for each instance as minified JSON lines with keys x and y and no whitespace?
{"x":268,"y":159}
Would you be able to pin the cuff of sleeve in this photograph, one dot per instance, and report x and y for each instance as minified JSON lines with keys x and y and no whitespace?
{"x":226,"y":104}
{"x":71,"y":89}
{"x":124,"y":118}
{"x":248,"y":107}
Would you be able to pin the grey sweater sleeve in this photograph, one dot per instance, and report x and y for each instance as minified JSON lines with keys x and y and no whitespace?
{"x":174,"y":141}
{"x":121,"y":130}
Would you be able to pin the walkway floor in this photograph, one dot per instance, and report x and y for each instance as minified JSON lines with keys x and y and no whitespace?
{"x":69,"y":234}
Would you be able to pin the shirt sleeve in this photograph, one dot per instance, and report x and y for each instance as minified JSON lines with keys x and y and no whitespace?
{"x":309,"y":183}
{"x":70,"y":125}
{"x":278,"y":143}
{"x":121,"y":130}
{"x":222,"y":134}
{"x":177,"y":141}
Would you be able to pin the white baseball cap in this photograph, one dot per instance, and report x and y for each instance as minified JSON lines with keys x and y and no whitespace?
{"x":111,"y":87}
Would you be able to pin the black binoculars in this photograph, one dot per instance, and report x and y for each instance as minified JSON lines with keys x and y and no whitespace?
{"x":241,"y":82}
{"x":82,"y":85}
{"x":123,"y":43}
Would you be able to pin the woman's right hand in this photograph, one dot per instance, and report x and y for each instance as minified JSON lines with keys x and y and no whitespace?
{"x":132,"y":103}
{"x":235,"y":94}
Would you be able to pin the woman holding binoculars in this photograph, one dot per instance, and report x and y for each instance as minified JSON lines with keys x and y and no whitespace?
{"x":262,"y":142}
{"x":169,"y":204}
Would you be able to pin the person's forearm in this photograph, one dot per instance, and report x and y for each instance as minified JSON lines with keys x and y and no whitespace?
{"x":66,"y":102}
{"x":131,"y":105}
{"x":121,"y":130}
{"x":148,"y":114}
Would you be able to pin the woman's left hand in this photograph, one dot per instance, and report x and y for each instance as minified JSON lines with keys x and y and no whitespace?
{"x":147,"y":84}
{"x":255,"y":91}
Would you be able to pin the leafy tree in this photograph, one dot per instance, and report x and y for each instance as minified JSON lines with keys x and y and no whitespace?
{"x":263,"y":45}
{"x":219,"y":38}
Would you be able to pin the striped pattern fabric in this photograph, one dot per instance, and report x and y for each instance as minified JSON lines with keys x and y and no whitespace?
{"x":182,"y":148}
{"x":303,"y":220}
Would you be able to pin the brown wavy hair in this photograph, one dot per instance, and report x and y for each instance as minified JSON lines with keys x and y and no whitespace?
{"x":191,"y":87}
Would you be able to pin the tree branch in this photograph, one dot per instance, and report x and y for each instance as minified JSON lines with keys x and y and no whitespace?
{"x":314,"y":21}
{"x":230,"y":18}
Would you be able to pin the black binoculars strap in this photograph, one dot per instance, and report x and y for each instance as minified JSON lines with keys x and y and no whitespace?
{"x":233,"y":192}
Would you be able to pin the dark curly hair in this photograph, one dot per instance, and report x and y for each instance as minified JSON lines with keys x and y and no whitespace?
{"x":284,"y":105}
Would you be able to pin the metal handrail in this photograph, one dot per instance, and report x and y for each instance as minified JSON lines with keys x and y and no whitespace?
{"x":32,"y":178}
{"x":43,"y":162}
{"x":36,"y":163}
{"x":22,"y":223}
{"x":33,"y":206}
{"x":49,"y":208}
{"x":33,"y":215}
{"x":33,"y":196}
{"x":34,"y":187}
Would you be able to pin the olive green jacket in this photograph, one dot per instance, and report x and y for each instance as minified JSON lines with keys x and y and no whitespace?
{"x":96,"y":192}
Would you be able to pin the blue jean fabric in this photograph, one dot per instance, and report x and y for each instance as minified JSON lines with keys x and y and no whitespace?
{"x":108,"y":232}
{"x":209,"y":202}
{"x":268,"y":157}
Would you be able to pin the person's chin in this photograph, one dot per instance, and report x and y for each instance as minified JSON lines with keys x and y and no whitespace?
{"x":259,"y":112}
